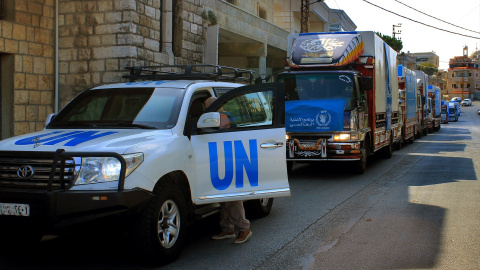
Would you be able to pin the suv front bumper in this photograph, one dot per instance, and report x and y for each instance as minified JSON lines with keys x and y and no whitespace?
{"x":55,"y":210}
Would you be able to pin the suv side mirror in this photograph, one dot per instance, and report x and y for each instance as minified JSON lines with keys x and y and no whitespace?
{"x":209,"y":120}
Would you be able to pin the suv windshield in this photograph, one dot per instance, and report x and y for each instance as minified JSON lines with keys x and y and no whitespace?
{"x":121,"y":108}
{"x":315,"y":86}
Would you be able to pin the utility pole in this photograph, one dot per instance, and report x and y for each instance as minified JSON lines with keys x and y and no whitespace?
{"x":397,"y":32}
{"x":304,"y":18}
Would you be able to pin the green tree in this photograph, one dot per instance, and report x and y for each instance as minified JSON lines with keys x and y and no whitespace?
{"x":396,"y":44}
{"x":428,"y":68}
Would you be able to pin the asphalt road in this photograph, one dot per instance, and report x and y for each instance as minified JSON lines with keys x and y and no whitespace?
{"x":419,"y":209}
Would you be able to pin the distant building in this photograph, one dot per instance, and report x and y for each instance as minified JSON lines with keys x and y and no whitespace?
{"x":407,"y":60}
{"x":427,"y":58}
{"x":440,"y":79}
{"x":463,"y":76}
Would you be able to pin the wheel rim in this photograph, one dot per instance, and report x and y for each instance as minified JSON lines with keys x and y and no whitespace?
{"x":168,"y":224}
{"x":264,"y":201}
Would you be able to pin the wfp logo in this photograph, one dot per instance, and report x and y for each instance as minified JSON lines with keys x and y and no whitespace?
{"x":239,"y":158}
{"x":323,"y":118}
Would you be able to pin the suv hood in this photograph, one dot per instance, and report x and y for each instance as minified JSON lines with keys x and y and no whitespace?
{"x":94,"y":140}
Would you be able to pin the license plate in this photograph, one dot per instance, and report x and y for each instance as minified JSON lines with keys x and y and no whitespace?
{"x":14,"y":209}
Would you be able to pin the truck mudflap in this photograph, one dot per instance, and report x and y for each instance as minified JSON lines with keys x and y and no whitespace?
{"x":322,"y":150}
{"x":44,"y":201}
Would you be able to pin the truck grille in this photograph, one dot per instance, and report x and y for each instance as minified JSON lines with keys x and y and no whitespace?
{"x":34,"y":172}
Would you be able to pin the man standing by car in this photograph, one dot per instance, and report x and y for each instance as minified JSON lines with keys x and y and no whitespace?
{"x":232,"y":214}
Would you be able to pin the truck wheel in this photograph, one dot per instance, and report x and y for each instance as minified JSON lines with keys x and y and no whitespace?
{"x":159,"y":231}
{"x":419,"y":133}
{"x":388,"y":150}
{"x":360,"y":166}
{"x":258,"y":208}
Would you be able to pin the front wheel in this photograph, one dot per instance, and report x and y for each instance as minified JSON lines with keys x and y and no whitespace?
{"x":387,"y":151}
{"x":258,"y":208}
{"x":360,"y":166}
{"x":159,"y":231}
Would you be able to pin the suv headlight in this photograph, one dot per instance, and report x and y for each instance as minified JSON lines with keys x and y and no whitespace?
{"x":105,"y":169}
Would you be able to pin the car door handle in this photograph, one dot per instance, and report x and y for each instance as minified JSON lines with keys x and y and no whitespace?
{"x":271,"y":145}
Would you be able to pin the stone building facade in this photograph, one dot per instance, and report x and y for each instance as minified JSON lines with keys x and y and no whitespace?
{"x":27,"y":50}
{"x":463,"y":76}
{"x":51,"y":50}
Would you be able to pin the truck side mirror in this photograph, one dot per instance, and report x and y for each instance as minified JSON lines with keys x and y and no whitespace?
{"x":367,"y":83}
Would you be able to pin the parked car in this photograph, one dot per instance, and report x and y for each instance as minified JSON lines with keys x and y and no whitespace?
{"x":455,"y":99}
{"x":466,"y":102}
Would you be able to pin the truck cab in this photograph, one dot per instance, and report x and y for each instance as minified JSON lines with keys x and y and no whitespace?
{"x":341,"y":98}
{"x":453,"y":111}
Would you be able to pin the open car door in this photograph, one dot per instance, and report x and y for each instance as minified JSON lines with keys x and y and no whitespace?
{"x":239,"y":146}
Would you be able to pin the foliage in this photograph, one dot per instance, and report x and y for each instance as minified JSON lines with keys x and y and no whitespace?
{"x":209,"y":16}
{"x":428,"y":68}
{"x":396,"y":44}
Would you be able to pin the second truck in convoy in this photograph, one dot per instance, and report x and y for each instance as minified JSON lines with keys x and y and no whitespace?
{"x":341,"y":98}
{"x":407,"y":84}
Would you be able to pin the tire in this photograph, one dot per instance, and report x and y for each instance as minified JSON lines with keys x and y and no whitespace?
{"x":419,"y":133}
{"x":425,"y":131}
{"x":258,"y":208}
{"x":159,"y":231}
{"x":360,"y":166}
{"x":387,"y":151}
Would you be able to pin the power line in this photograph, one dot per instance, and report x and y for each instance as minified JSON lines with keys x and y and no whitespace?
{"x":420,"y":22}
{"x":436,"y":17}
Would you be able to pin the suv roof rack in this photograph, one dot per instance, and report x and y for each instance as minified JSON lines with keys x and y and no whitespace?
{"x":189,"y":72}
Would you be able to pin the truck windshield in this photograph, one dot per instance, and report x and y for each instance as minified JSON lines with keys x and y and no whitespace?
{"x":121,"y":108}
{"x":316,"y":86}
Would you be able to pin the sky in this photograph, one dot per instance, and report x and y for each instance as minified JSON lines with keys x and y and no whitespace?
{"x":417,"y":37}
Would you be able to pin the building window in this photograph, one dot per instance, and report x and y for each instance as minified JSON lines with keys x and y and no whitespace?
{"x":335,"y":28}
{"x":468,"y":85}
{"x":262,"y":13}
{"x":454,"y":85}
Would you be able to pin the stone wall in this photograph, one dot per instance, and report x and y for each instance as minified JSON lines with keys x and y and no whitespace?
{"x":28,"y":39}
{"x":98,"y":39}
{"x":188,"y":32}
